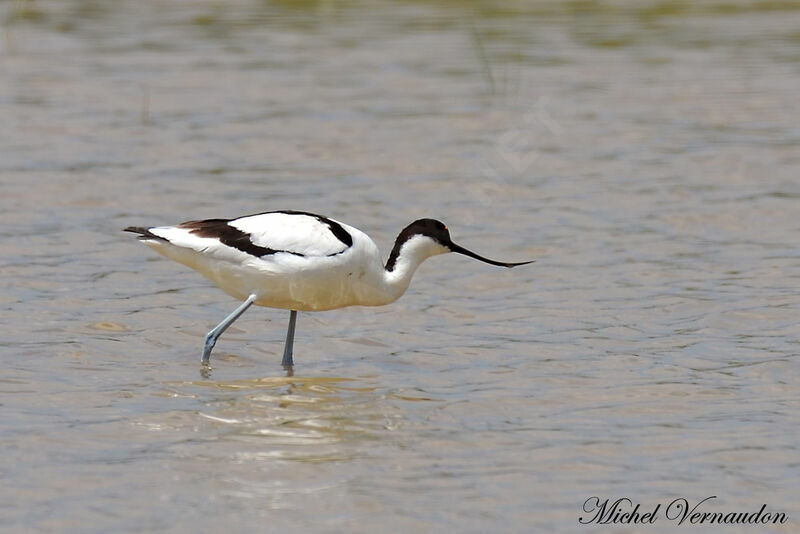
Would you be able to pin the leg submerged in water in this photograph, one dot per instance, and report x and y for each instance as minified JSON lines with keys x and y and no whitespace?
{"x":213,"y":335}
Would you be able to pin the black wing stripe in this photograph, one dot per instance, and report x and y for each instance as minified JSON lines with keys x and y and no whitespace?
{"x":230,"y":236}
{"x":235,"y":238}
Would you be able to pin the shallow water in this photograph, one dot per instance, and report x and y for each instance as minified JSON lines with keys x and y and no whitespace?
{"x":646,"y":155}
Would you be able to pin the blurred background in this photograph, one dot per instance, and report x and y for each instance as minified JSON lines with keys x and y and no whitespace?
{"x":645,"y":153}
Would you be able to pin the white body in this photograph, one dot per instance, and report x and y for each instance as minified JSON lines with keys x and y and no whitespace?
{"x":319,"y":272}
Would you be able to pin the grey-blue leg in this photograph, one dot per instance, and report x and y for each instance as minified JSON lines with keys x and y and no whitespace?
{"x":211,"y":337}
{"x":287,"y":350}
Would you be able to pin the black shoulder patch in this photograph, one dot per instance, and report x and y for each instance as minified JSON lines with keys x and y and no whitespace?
{"x":228,"y":235}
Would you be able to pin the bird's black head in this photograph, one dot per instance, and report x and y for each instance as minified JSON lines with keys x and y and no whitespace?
{"x":432,"y":228}
{"x":438,"y":232}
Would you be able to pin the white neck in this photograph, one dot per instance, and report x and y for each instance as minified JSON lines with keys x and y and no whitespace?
{"x":411,"y":254}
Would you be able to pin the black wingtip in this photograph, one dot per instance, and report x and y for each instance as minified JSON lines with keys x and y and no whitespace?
{"x":144,"y":233}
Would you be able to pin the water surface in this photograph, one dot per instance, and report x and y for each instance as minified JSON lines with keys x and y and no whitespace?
{"x":645,"y":154}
